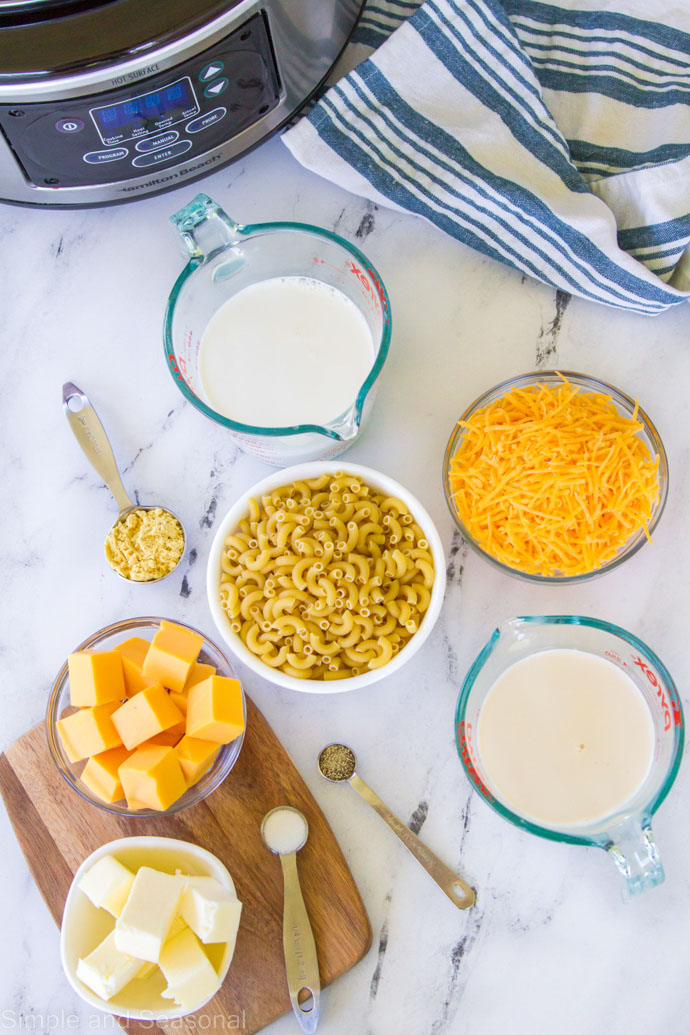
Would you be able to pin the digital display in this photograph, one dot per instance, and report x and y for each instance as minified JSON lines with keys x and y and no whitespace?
{"x":118,"y":121}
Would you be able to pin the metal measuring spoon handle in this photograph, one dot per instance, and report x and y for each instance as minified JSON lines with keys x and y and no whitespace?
{"x":301,"y":963}
{"x":460,"y":893}
{"x":91,"y":436}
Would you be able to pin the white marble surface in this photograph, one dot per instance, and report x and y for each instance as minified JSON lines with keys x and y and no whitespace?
{"x":549,"y":945}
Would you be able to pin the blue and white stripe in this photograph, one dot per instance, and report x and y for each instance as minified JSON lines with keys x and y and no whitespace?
{"x":536,"y":133}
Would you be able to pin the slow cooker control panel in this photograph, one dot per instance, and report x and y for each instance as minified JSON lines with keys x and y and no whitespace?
{"x":152,"y":124}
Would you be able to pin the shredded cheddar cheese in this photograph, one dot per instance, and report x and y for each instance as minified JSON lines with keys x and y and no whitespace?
{"x":551,"y":480}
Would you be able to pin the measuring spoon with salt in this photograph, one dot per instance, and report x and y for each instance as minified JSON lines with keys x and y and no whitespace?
{"x":285,"y":831}
{"x":337,"y":763}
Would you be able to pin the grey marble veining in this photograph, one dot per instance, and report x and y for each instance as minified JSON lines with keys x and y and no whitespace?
{"x":549,"y":946}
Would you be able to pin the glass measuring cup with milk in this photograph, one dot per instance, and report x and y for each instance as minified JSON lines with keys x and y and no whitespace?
{"x":276,"y":331}
{"x":572,"y":729}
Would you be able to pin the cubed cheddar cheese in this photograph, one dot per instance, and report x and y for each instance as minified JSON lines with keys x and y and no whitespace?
{"x":214,"y":710}
{"x":152,"y":777}
{"x":196,"y":757}
{"x":100,"y":774}
{"x":133,"y":652}
{"x":197,"y":674}
{"x":171,"y":736}
{"x":89,"y":731}
{"x":171,"y":655}
{"x":95,"y":677}
{"x":179,"y":700}
{"x":147,"y":713}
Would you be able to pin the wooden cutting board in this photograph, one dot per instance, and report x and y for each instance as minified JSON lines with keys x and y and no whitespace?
{"x":57,"y":830}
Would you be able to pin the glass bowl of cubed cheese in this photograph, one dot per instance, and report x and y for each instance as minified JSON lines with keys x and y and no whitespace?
{"x":149,"y":928}
{"x":146,"y":717}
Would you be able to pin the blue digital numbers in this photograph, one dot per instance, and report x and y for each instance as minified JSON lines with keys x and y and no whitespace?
{"x":130,"y":114}
{"x":176,"y":93}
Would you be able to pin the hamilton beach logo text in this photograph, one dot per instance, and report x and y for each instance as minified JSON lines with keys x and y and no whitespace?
{"x":173,"y":175}
{"x":130,"y":77}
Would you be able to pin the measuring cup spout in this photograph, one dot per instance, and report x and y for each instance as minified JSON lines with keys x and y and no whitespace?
{"x":346,"y":428}
{"x":205,"y":228}
{"x":633,"y":849}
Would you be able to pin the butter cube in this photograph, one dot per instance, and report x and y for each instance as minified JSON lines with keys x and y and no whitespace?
{"x":178,"y":925}
{"x":147,"y":713}
{"x":214,"y":710}
{"x":107,"y":884}
{"x":145,"y":922}
{"x":89,"y":731}
{"x":191,"y":977}
{"x":95,"y":677}
{"x":100,"y":774}
{"x":172,"y":654}
{"x":133,"y":652}
{"x":196,"y":757}
{"x":212,"y":911}
{"x":106,"y":970}
{"x":152,"y":777}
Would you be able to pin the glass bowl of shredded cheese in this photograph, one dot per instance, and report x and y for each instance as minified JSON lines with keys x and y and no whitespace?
{"x":555,"y":476}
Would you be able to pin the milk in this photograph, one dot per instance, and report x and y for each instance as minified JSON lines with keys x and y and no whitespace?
{"x":285,"y":351}
{"x":565,"y":737}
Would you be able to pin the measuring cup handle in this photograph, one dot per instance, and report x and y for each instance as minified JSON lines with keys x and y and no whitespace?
{"x":301,"y":962}
{"x":204,"y":227}
{"x":91,"y":436}
{"x":634,"y":851}
{"x":460,"y":893}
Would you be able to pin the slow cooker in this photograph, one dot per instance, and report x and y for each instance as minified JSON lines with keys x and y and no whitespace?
{"x":107,"y":100}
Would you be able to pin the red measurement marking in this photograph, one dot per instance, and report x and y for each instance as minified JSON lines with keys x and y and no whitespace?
{"x":173,"y":361}
{"x":379,"y":288}
{"x":653,"y":681}
{"x":464,"y":734}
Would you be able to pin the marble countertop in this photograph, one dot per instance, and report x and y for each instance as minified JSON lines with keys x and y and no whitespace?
{"x":549,"y":945}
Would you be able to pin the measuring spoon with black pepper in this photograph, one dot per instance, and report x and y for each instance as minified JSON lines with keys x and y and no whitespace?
{"x":337,"y":764}
{"x":91,"y":436}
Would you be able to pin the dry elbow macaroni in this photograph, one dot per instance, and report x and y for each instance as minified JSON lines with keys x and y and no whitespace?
{"x":326,"y":578}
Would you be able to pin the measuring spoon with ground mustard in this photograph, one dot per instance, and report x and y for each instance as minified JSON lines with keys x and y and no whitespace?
{"x":153,"y":536}
{"x":337,"y":763}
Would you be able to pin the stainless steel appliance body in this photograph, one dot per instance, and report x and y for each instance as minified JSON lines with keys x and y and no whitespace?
{"x":104,"y":101}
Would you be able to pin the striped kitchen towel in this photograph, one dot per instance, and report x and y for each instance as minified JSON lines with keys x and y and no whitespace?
{"x":553,"y":136}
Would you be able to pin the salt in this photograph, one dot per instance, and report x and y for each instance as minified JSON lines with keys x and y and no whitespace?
{"x":284,"y":830}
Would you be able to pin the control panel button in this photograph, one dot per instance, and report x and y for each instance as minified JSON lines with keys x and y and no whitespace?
{"x":154,"y":157}
{"x":99,"y":157}
{"x":69,"y":125}
{"x":161,"y":140}
{"x":211,"y":71}
{"x":214,"y":89}
{"x":204,"y":121}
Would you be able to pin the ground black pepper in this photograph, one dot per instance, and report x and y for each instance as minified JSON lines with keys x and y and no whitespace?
{"x":337,"y":762}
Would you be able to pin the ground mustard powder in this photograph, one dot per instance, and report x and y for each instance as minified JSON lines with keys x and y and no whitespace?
{"x":145,"y":545}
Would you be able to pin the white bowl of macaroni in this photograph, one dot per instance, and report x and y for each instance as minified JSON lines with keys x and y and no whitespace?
{"x":326,"y":577}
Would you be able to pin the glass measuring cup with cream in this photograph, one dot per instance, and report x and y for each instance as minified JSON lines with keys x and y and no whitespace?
{"x":572,"y":729}
{"x":276,"y":331}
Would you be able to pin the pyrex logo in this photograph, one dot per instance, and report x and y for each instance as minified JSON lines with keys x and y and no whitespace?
{"x":653,"y":681}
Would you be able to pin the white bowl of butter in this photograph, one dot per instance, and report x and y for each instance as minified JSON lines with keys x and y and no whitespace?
{"x":86,"y":927}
